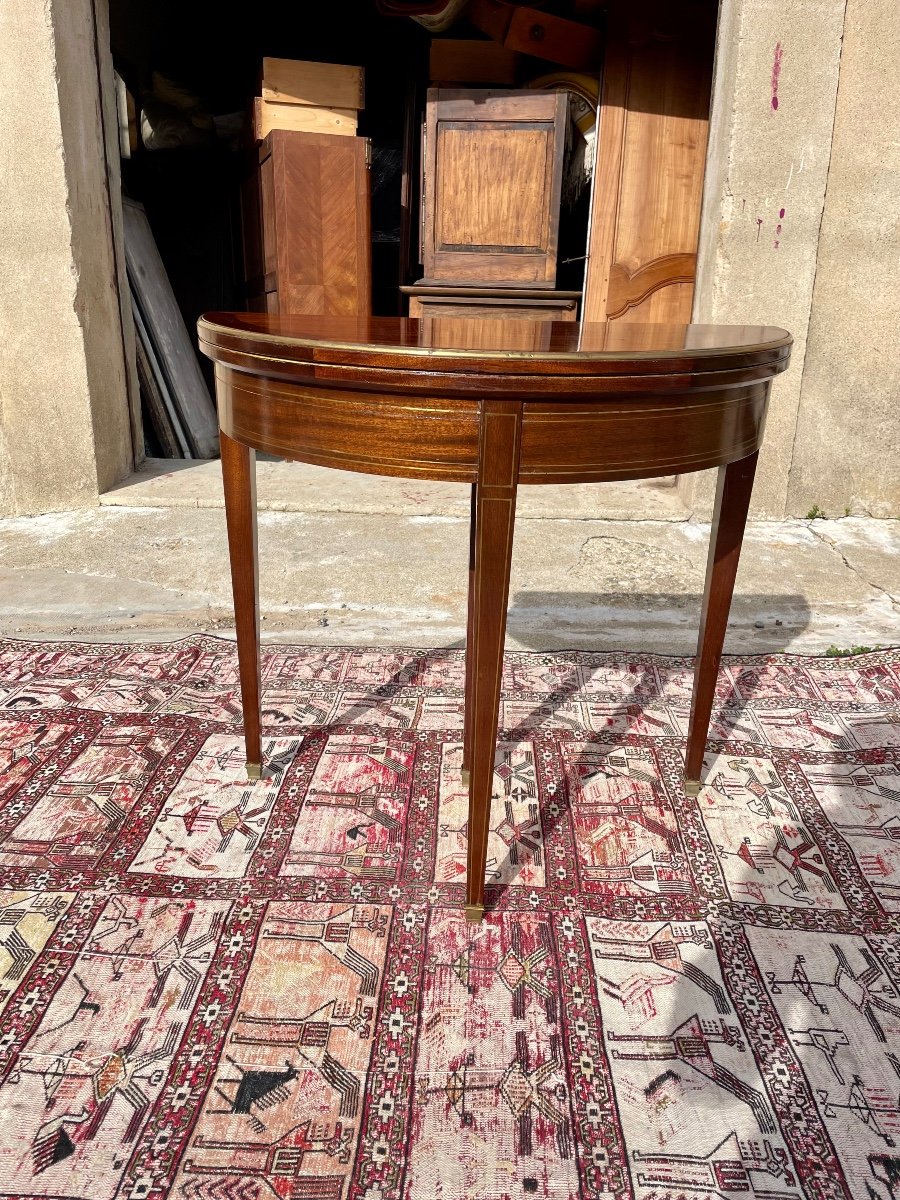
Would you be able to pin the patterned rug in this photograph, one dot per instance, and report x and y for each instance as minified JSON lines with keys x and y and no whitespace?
{"x":213,"y":990}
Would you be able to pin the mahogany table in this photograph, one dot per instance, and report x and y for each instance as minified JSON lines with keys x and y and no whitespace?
{"x":493,"y":404}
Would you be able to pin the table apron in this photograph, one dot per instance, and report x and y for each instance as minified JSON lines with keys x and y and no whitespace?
{"x":436,"y":437}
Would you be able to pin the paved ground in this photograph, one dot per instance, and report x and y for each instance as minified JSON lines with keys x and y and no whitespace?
{"x":366,"y":561}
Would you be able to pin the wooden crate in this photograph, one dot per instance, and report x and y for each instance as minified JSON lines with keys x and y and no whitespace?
{"x":321,"y":85}
{"x":302,"y":118}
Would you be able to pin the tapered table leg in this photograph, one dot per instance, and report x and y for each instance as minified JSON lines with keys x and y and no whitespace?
{"x":239,"y":479}
{"x":733,"y":489}
{"x":495,"y":504}
{"x":470,"y":649}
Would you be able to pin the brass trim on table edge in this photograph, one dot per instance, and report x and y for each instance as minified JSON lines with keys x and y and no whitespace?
{"x":539,"y":399}
{"x":692,"y":787}
{"x":254,"y":771}
{"x":465,"y":776}
{"x":475,"y":913}
{"x":439,"y":351}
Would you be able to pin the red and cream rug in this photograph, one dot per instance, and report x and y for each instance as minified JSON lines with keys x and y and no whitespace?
{"x":213,"y":990}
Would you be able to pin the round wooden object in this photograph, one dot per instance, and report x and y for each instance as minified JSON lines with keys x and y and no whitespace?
{"x":390,"y":396}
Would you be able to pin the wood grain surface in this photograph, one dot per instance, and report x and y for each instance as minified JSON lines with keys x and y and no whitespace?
{"x":311,"y":220}
{"x":651,"y":160}
{"x":492,"y":178}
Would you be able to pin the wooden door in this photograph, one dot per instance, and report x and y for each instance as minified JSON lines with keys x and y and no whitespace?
{"x":493,"y":170}
{"x":651,"y":158}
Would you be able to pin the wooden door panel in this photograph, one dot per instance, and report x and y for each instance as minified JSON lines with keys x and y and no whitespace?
{"x":501,"y":219}
{"x":493,"y":167}
{"x":651,"y":159}
{"x":657,"y":286}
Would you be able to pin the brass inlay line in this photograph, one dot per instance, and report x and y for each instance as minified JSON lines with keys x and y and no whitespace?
{"x":604,"y":413}
{"x":290,"y":448}
{"x":543,"y":467}
{"x":358,"y":399}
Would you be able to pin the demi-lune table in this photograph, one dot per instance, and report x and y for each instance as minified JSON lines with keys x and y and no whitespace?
{"x":494,"y":404}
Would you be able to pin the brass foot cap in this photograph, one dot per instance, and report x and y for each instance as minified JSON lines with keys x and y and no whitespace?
{"x":692,"y":787}
{"x":254,"y":771}
{"x":474,"y":912}
{"x":466,"y":777}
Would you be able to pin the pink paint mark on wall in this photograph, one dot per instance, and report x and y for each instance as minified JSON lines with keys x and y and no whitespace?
{"x":758,"y":227}
{"x":778,"y":228}
{"x":776,"y":75}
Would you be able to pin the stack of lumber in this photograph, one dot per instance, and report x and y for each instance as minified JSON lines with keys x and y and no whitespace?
{"x":174,"y":394}
{"x":312,"y":97}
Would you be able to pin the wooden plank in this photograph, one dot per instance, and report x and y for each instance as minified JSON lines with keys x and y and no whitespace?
{"x":167,"y":332}
{"x":323,"y":85}
{"x":301,"y":118}
{"x":492,"y":308}
{"x":605,"y":190}
{"x":457,"y":60}
{"x":155,"y":392}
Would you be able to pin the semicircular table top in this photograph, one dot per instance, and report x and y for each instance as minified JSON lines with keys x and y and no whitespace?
{"x":438,"y":344}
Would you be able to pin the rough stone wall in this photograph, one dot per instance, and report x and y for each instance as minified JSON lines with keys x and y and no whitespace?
{"x":776,"y":80}
{"x":64,"y":418}
{"x":847,"y":449}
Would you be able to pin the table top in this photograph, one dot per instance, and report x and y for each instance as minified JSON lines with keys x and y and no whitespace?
{"x":437,"y":344}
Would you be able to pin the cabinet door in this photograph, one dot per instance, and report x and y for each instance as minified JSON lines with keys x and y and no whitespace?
{"x":493,"y":169}
{"x":651,"y":159}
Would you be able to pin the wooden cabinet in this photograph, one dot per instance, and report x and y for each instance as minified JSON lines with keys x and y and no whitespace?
{"x":492,"y":175}
{"x":305,"y":225}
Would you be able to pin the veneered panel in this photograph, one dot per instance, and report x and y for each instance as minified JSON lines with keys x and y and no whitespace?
{"x":492,"y":178}
{"x":473,"y":208}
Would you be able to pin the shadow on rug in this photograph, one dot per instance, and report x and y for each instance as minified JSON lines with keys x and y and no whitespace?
{"x":214,"y":990}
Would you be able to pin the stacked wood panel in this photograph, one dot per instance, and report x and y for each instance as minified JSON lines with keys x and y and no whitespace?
{"x":305,"y":206}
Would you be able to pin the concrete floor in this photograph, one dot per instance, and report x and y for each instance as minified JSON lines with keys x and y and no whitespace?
{"x":358,"y":560}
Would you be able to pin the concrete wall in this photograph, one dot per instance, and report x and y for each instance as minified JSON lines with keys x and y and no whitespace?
{"x":65,"y":430}
{"x":847,"y":451}
{"x":776,"y":79}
